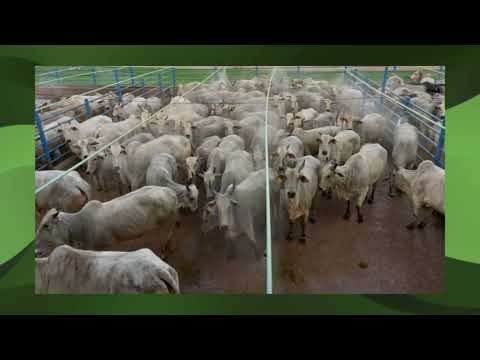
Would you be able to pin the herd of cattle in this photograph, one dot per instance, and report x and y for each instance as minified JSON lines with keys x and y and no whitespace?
{"x":209,"y":143}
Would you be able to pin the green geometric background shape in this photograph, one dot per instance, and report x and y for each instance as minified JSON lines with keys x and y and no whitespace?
{"x":462,"y":263}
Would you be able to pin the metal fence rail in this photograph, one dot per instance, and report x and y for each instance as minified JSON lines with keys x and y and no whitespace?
{"x":49,"y":145}
{"x":431,"y":129}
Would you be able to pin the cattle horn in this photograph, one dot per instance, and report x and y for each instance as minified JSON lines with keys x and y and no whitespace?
{"x":301,"y":165}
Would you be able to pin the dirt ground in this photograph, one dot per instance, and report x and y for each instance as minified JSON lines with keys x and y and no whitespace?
{"x":201,"y":261}
{"x":377,"y":256}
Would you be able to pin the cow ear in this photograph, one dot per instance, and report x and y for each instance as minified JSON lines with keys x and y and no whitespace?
{"x":319,"y":140}
{"x":303,"y":179}
{"x":237,"y":127}
{"x":280,"y":178}
{"x":332,"y":141}
{"x":193,"y":126}
{"x":60,"y":130}
{"x":55,"y":214}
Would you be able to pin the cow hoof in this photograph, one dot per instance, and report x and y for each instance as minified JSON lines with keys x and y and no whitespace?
{"x":177,"y":224}
{"x":360,"y":219}
{"x":410,"y":226}
{"x":392,"y":195}
{"x":303,"y":240}
{"x":421,"y":225}
{"x":370,"y":201}
{"x":346,"y":217}
{"x":312,"y":220}
{"x":289,"y":238}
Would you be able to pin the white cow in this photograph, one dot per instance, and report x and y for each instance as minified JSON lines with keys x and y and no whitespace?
{"x":68,"y":194}
{"x":405,"y":147}
{"x":73,"y":271}
{"x":99,"y":225}
{"x":162,"y":172}
{"x":353,"y":180}
{"x":425,"y":188}
{"x":299,"y":184}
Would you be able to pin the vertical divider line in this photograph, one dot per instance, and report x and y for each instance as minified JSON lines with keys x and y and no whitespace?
{"x":267,"y":195}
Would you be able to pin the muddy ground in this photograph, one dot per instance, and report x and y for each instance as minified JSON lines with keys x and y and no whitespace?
{"x":377,"y":256}
{"x":201,"y":261}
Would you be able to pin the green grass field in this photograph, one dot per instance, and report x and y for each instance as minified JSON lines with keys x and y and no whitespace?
{"x":83,"y":76}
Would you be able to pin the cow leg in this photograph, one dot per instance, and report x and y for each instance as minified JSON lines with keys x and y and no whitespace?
{"x":231,"y":253}
{"x":372,"y":194}
{"x":360,"y":199}
{"x":303,"y":224}
{"x":290,"y":230}
{"x":390,"y":186}
{"x":346,"y":216}
{"x":359,"y":214}
{"x":421,"y":213}
{"x":329,"y":194}
{"x":311,"y":213}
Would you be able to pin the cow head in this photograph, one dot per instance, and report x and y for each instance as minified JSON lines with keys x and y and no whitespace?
{"x":225,"y":206}
{"x":192,"y":167}
{"x":327,"y":173}
{"x":94,"y":163}
{"x":118,"y":152}
{"x":209,"y":181}
{"x":328,"y":105}
{"x":188,"y":198}
{"x":292,"y":179}
{"x":325,"y":148}
{"x":402,"y":178}
{"x":50,"y":233}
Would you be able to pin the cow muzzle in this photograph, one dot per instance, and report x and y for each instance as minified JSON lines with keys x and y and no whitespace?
{"x":291,"y":195}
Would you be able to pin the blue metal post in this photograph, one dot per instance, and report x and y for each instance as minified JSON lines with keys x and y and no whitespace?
{"x":256,"y":71}
{"x":43,"y":139}
{"x":344,"y":73}
{"x":384,"y":83}
{"x":394,"y":68}
{"x":174,"y":80}
{"x":440,"y":145}
{"x":143,"y":86}
{"x":160,"y":85}
{"x":94,"y":76}
{"x":88,"y":109}
{"x":132,"y":75}
{"x":118,"y":87}
{"x":216,"y":73}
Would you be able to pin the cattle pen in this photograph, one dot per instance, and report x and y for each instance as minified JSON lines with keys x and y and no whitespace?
{"x":340,"y":257}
